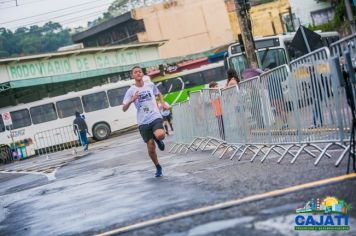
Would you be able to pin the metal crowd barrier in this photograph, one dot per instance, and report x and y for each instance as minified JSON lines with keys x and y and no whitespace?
{"x":344,"y":65}
{"x":5,"y":154}
{"x":344,"y":50}
{"x":54,"y":140}
{"x":288,"y":111}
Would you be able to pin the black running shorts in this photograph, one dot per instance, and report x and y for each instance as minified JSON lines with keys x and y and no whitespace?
{"x":147,"y":130}
{"x":167,"y":118}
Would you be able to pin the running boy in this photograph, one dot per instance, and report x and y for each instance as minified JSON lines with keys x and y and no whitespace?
{"x":143,"y":95}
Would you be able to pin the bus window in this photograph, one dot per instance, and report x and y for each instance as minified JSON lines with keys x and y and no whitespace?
{"x":95,"y":101}
{"x":43,"y":113}
{"x":161,"y":87}
{"x":116,"y":96}
{"x":327,"y":41}
{"x":239,"y":63}
{"x":292,"y":52}
{"x":193,"y":80}
{"x":272,"y":58}
{"x":173,"y":85}
{"x":2,"y":125}
{"x":20,"y":118}
{"x":215,"y":74}
{"x":68,"y":107}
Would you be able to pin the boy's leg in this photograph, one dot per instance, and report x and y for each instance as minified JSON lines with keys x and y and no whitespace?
{"x":151,"y":148}
{"x":148,"y":137}
{"x":158,"y":133}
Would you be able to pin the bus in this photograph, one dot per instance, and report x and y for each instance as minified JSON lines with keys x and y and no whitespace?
{"x":101,"y":107}
{"x":272,"y":51}
{"x":176,"y":87}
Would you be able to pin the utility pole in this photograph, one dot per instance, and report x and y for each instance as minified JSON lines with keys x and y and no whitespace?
{"x":350,"y":16}
{"x":243,"y":16}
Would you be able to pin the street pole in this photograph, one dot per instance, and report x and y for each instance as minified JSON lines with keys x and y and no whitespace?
{"x":350,"y":16}
{"x":243,"y":16}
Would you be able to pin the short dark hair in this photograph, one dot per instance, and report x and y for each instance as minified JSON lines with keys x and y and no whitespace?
{"x":232,"y":74}
{"x":135,"y":67}
{"x":212,"y":84}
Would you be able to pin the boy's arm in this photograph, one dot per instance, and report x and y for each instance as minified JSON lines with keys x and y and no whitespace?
{"x":128,"y":99}
{"x":163,"y":104}
{"x":156,"y":92}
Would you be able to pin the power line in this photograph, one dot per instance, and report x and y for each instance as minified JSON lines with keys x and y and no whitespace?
{"x":79,"y":17}
{"x":22,"y":4}
{"x":69,"y":20}
{"x":56,"y":17}
{"x":7,"y":1}
{"x":46,"y":13}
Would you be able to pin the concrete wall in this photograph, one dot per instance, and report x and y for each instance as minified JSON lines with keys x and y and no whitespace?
{"x":190,"y":26}
{"x":200,"y":25}
{"x":302,"y":9}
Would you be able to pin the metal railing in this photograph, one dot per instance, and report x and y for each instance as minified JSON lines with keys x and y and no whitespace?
{"x":58,"y":139}
{"x":344,"y":67}
{"x":288,"y":111}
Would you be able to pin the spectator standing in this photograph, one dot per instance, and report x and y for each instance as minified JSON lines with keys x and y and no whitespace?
{"x":232,"y":78}
{"x":81,"y":129}
{"x":167,"y":116}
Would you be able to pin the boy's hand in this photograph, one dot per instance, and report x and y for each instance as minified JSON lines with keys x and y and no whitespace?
{"x":135,"y":96}
{"x":165,"y":107}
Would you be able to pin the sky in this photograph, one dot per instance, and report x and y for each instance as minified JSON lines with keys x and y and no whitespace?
{"x":69,"y":13}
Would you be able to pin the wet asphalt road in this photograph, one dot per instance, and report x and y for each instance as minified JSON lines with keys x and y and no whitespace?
{"x":112,"y":186}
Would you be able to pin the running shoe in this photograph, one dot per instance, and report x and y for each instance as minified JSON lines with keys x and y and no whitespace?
{"x":158,"y":171}
{"x":160,"y":144}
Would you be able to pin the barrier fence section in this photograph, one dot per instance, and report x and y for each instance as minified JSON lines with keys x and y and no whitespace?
{"x":287,"y":110}
{"x":344,"y":64}
{"x":185,"y":134}
{"x":5,"y":154}
{"x":58,"y":139}
{"x":344,"y":52}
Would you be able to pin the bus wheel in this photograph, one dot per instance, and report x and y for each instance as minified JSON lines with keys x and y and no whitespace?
{"x":101,"y":131}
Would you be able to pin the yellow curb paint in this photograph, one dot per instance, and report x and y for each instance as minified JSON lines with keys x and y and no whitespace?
{"x":229,"y":204}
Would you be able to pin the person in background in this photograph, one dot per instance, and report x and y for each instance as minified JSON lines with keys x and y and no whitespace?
{"x":81,"y":129}
{"x":167,"y":116}
{"x":215,"y":101}
{"x":213,"y":85}
{"x":232,"y":78}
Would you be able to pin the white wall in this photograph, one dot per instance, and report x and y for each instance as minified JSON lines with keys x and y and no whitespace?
{"x":302,"y":9}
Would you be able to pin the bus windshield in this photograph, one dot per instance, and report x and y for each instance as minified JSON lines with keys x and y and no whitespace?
{"x":176,"y":87}
{"x":272,"y":51}
{"x":239,"y":63}
{"x":271,"y":58}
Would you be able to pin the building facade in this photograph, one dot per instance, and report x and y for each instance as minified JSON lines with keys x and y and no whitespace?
{"x":267,"y":19}
{"x":120,"y":30}
{"x":311,"y":12}
{"x":189,"y":26}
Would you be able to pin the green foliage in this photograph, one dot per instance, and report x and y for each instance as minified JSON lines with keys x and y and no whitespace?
{"x":334,"y":25}
{"x":33,"y":40}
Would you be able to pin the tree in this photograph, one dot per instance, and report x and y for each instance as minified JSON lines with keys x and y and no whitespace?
{"x":35,"y":39}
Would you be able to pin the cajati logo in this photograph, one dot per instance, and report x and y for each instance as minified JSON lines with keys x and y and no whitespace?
{"x":329,"y":213}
